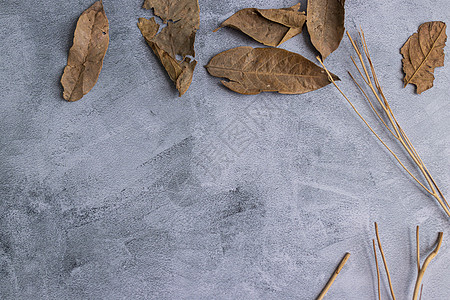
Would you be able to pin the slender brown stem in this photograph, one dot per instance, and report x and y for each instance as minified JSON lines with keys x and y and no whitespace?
{"x":371,"y":80}
{"x":372,"y":130}
{"x":418,"y":249}
{"x":421,"y":289}
{"x":437,"y":188}
{"x":425,"y":265}
{"x":358,"y":52}
{"x":370,"y":103}
{"x":357,"y":68}
{"x":384,"y":261}
{"x":384,"y":103}
{"x":407,"y":145}
{"x":378,"y":269}
{"x":333,"y":277}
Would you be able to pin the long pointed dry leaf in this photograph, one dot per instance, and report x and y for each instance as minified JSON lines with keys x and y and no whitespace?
{"x":325,"y":23}
{"x":255,"y":70}
{"x":271,"y":27}
{"x":422,"y":53}
{"x":85,"y":61}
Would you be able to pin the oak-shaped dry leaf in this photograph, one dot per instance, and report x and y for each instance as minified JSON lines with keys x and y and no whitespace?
{"x":177,"y":38}
{"x":423,"y":52}
{"x":325,"y":23}
{"x":271,"y":27}
{"x":255,"y":70}
{"x":85,"y":61}
{"x":179,"y":72}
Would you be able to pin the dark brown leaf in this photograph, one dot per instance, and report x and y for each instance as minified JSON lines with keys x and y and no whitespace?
{"x":271,"y":27}
{"x":177,"y":38}
{"x":90,"y":42}
{"x":325,"y":22}
{"x":255,"y":70}
{"x":423,"y":52}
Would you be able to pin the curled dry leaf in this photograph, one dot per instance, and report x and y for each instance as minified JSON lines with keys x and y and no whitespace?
{"x":325,"y":22}
{"x":271,"y":27}
{"x":423,"y":52}
{"x":177,"y":38}
{"x":90,"y":42}
{"x":255,"y":70}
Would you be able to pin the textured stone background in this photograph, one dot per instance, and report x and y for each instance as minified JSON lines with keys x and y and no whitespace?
{"x":134,"y":193}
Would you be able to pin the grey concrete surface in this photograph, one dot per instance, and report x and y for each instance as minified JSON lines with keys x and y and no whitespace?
{"x":134,"y":193}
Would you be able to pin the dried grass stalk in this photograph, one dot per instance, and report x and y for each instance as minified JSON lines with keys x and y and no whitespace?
{"x":380,"y":105}
{"x":378,"y":269}
{"x":385,"y":264}
{"x":421,"y":270}
{"x":333,"y":277}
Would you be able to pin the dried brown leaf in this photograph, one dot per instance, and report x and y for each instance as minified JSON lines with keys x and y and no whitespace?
{"x":290,"y":16}
{"x":423,"y":52}
{"x":175,"y":10}
{"x":325,"y":23}
{"x":85,"y":61}
{"x":271,"y":27}
{"x":180,"y":72}
{"x":177,"y":38}
{"x":255,"y":70}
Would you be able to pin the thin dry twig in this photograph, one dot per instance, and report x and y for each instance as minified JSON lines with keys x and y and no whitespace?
{"x":378,"y":269}
{"x":369,"y":76}
{"x":418,"y":247}
{"x":384,"y":261}
{"x":421,"y":270}
{"x":425,"y":263}
{"x":333,"y":277}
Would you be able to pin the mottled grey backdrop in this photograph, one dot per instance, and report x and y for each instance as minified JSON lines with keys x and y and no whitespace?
{"x":134,"y":193}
